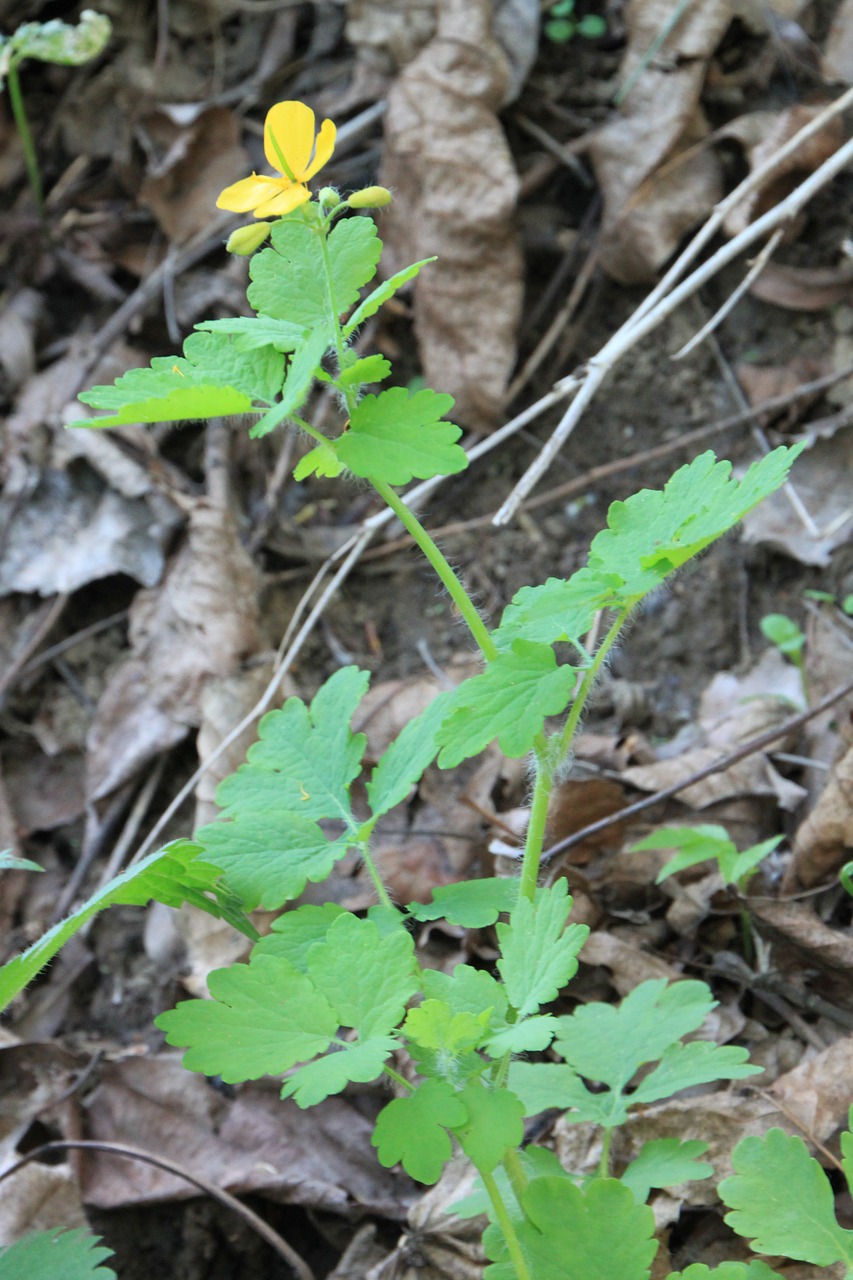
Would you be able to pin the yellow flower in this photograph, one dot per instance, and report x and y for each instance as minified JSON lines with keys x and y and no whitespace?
{"x":291,"y":148}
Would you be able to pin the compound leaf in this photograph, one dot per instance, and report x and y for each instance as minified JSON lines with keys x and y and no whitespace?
{"x":322,"y":460}
{"x":666,"y":1162}
{"x":699,"y":1062}
{"x":656,"y":531}
{"x":538,"y":953}
{"x":303,"y":761}
{"x":399,"y":435}
{"x":56,"y":1255}
{"x":367,"y":978}
{"x":263,"y":1018}
{"x":509,"y":701}
{"x":609,"y":1043}
{"x":301,"y":370}
{"x":782,"y":1201}
{"x":559,"y":609}
{"x":600,"y":1234}
{"x":268,"y":857}
{"x":369,"y":369}
{"x":495,"y":1122}
{"x":470,"y":904}
{"x":378,"y":297}
{"x":412,"y":1130}
{"x":543,"y":1085}
{"x":402,"y":765}
{"x":330,"y":1074}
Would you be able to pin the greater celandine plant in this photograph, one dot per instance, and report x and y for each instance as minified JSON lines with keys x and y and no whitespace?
{"x":329,"y":998}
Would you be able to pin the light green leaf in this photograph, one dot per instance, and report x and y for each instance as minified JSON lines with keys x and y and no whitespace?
{"x":181,"y":403}
{"x":289,"y":279}
{"x":529,"y":1036}
{"x":656,"y":531}
{"x":509,"y":701}
{"x":63,"y":43}
{"x":354,"y":253}
{"x":537,"y":1162}
{"x":56,"y":1255}
{"x":466,"y":990}
{"x":434,"y":1025}
{"x":250,"y":332}
{"x":556,"y":610}
{"x":666,"y":1162}
{"x":699,"y":1062}
{"x":543,"y":1085}
{"x":402,"y":765}
{"x":269,"y":856}
{"x":600,"y":1234}
{"x":173,"y":875}
{"x":303,"y":761}
{"x":470,"y":904}
{"x":782,"y":1201}
{"x":609,"y":1043}
{"x":263,"y":1018}
{"x":495,"y":1123}
{"x":538,"y":953}
{"x":412,"y":1130}
{"x":319,"y":461}
{"x":367,"y":978}
{"x":703,"y":843}
{"x":259,"y":372}
{"x":294,"y":933}
{"x":379,"y":296}
{"x":399,"y":435}
{"x":369,"y":369}
{"x":330,"y":1074}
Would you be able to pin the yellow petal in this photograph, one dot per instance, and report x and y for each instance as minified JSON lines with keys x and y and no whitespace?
{"x":247,"y":194}
{"x":283,"y":202}
{"x":290,"y":125}
{"x":325,"y":147}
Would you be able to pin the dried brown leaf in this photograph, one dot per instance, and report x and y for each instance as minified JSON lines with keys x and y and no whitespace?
{"x":195,"y":163}
{"x":825,"y":838}
{"x":455,"y":185}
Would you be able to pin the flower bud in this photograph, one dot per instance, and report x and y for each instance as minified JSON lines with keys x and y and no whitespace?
{"x":370,"y":198}
{"x":329,"y":197}
{"x":246,"y":240}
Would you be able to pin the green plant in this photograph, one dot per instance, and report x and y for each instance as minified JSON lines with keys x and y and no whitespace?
{"x":329,"y":998}
{"x":789,"y":639}
{"x":710,"y":843}
{"x":563,"y":26}
{"x":52,"y":41}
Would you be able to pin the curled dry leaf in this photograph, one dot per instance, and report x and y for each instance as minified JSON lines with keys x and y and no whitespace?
{"x":202,"y":623}
{"x":804,"y":288}
{"x":195,"y":162}
{"x":657,"y":174}
{"x":438,"y":1245}
{"x":455,"y":186}
{"x":825,"y":839}
{"x":761,"y":134}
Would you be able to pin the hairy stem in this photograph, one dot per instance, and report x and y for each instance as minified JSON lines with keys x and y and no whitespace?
{"x":604,"y":1162}
{"x":16,"y":99}
{"x":457,"y":592}
{"x":515,"y":1173}
{"x":505,"y":1223}
{"x":588,"y":681}
{"x":536,"y":827}
{"x":381,"y":891}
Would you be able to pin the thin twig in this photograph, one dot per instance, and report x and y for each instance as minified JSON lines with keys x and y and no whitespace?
{"x":734,"y":298}
{"x":44,"y":626}
{"x":252,"y":1219}
{"x":718,"y":766}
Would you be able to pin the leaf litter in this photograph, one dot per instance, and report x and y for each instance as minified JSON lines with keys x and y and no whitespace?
{"x":123,"y":521}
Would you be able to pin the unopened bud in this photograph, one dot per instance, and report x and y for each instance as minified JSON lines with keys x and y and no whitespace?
{"x":370,"y":198}
{"x":246,"y":240}
{"x":329,"y":197}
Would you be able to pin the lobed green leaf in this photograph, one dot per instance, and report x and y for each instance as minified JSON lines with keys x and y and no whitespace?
{"x":399,"y":435}
{"x":378,"y":297}
{"x":538,"y":953}
{"x":294,"y":933}
{"x":666,"y":1162}
{"x":494,"y":1124}
{"x":470,"y":904}
{"x":357,"y":1063}
{"x":412,"y":1130}
{"x":699,"y":1062}
{"x":727,"y":1271}
{"x":367,"y":978}
{"x":558,"y":610}
{"x":402,"y":765}
{"x":56,"y":1255}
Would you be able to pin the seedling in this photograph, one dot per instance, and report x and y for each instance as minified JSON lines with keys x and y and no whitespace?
{"x":328,"y":997}
{"x":789,"y":639}
{"x":711,"y":843}
{"x":562,"y":25}
{"x":53,"y":41}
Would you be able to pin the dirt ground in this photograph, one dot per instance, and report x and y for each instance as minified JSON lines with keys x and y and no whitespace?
{"x":114,"y":682}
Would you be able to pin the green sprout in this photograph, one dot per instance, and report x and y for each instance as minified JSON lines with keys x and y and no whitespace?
{"x":54,"y":41}
{"x":562,"y":26}
{"x":789,"y":639}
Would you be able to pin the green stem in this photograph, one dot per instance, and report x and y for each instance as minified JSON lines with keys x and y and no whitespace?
{"x":381,"y":891}
{"x":515,"y":1173}
{"x":30,"y":160}
{"x":457,"y":592}
{"x":587,"y":683}
{"x":746,"y":934}
{"x":604,"y":1162}
{"x":334,"y":315}
{"x":505,"y":1223}
{"x":397,"y":1078}
{"x":536,"y":827}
